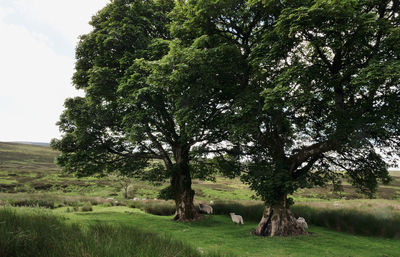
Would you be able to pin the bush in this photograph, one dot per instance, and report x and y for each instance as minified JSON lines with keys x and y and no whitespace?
{"x":32,"y":203}
{"x":87,"y":207}
{"x":107,"y":204}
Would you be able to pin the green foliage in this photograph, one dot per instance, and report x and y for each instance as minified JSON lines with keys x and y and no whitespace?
{"x":309,"y":104}
{"x":166,"y":193}
{"x":86,"y":207}
{"x":122,"y":32}
{"x":32,"y":203}
{"x":147,"y":97}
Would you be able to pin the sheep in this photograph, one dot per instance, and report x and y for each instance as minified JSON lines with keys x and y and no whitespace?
{"x":302,"y":223}
{"x":236,"y":218}
{"x":206,"y":208}
{"x":211,"y":202}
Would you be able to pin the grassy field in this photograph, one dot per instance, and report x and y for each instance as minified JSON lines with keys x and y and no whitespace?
{"x":218,"y":234}
{"x":29,"y":177}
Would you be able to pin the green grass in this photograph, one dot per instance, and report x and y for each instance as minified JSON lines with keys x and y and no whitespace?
{"x":217,"y":232}
{"x":370,"y":219}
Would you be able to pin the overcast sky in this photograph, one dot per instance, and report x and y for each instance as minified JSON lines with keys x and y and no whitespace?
{"x":38,"y":40}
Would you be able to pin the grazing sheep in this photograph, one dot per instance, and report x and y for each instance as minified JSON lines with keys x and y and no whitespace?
{"x":236,"y":218}
{"x":136,"y":199}
{"x":211,"y":202}
{"x":302,"y":223}
{"x":206,"y":208}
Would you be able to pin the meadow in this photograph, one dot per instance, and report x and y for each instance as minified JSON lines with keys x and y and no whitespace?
{"x":41,"y":208}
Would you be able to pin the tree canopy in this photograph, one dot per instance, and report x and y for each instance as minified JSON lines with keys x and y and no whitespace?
{"x":306,"y":92}
{"x":329,"y":101}
{"x":147,"y":97}
{"x":319,"y":95}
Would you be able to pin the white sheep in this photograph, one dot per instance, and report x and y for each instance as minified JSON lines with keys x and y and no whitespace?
{"x":211,"y":202}
{"x":236,"y":218}
{"x":206,"y":208}
{"x":302,"y":223}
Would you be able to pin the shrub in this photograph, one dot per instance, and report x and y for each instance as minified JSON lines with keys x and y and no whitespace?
{"x":107,"y":204}
{"x":32,"y":203}
{"x":87,"y":207}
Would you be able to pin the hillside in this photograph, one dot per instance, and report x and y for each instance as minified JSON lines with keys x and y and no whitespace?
{"x":31,"y":169}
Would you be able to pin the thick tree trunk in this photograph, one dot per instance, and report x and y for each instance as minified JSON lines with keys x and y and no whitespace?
{"x":278,"y":220}
{"x":181,"y":183}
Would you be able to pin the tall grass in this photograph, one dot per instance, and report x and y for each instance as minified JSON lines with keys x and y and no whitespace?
{"x":49,"y":200}
{"x":48,"y":236}
{"x":382,"y":223}
{"x":352,"y":221}
{"x":156,"y":207}
{"x":249,"y":210}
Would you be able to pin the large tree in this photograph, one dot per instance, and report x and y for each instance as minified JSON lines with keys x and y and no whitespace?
{"x":319,"y":93}
{"x":147,"y":98}
{"x":331,"y":97}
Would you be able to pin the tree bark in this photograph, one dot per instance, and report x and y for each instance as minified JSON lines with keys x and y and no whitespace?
{"x":278,"y":220}
{"x":181,"y":183}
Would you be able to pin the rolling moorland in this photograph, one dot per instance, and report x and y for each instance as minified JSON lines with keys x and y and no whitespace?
{"x":41,"y":207}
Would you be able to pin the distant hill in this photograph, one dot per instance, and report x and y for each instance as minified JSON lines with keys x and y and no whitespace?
{"x":31,"y":143}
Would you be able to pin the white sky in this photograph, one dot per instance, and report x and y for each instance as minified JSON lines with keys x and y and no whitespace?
{"x":37,"y":49}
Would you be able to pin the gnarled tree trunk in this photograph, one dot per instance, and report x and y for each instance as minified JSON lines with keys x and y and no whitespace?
{"x":181,"y":183}
{"x":278,"y":220}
